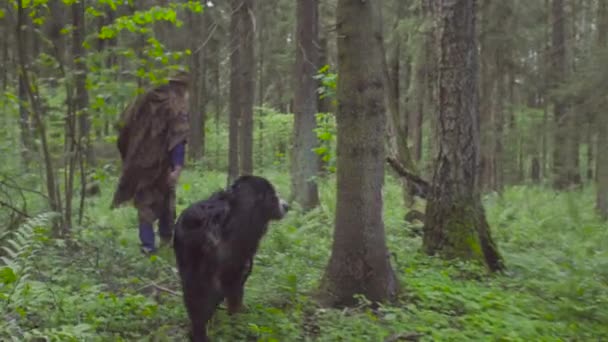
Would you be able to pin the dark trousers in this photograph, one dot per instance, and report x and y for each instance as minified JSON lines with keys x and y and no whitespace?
{"x":166,"y":221}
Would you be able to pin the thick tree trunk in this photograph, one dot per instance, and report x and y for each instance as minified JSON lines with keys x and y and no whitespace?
{"x":247,"y":89}
{"x":359,"y":262}
{"x":235,"y":100}
{"x":456,"y":226}
{"x":304,"y":162}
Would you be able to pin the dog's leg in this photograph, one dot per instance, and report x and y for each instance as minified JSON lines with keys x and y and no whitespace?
{"x":201,"y":300}
{"x":235,"y":290}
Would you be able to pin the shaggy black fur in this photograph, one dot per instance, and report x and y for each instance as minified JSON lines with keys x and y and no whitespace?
{"x":215,"y":242}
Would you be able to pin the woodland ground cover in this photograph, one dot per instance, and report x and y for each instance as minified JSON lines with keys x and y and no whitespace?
{"x":102,"y":288}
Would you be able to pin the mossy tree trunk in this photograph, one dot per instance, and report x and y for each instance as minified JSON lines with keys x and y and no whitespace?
{"x":359,"y":262}
{"x":456,"y":226}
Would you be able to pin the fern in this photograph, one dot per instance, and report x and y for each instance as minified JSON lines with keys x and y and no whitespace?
{"x":22,"y":246}
{"x":19,"y":251}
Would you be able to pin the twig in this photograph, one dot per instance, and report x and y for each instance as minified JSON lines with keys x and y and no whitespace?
{"x":160,"y":288}
{"x":18,"y":211}
{"x":20,"y":189}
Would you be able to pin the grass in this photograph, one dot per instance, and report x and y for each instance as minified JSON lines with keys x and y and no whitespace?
{"x":97,"y":287}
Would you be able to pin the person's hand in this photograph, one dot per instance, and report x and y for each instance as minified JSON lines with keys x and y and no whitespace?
{"x":174,"y":176}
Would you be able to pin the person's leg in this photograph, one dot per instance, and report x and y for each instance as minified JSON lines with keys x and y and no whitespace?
{"x":146,"y":233}
{"x":167,"y":218}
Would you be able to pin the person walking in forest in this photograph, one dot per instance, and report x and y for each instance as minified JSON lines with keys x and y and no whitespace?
{"x":153,"y":132}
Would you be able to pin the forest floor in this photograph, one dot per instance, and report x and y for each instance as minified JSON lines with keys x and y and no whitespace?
{"x":98,"y":287}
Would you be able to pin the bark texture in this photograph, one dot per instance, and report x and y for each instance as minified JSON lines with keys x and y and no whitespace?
{"x":563,"y":170}
{"x":247,"y":88}
{"x":235,"y":104}
{"x":602,"y":137}
{"x":305,"y":163}
{"x":456,"y":226}
{"x":359,"y":262}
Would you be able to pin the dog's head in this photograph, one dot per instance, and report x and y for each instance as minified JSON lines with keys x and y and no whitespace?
{"x":257,"y":193}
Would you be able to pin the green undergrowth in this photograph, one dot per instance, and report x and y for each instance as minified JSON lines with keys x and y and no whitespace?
{"x":97,"y":287}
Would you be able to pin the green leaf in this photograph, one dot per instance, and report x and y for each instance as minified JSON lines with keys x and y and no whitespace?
{"x":7,"y":275}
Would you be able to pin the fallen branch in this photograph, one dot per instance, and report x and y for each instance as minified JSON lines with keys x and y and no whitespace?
{"x":422,"y":188}
{"x":161,"y":288}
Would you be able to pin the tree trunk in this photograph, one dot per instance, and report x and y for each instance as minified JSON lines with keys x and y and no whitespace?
{"x":397,"y":133}
{"x":218,"y":93}
{"x":52,"y":193}
{"x":4,"y":46}
{"x":24,"y":121}
{"x":359,"y":262}
{"x":430,"y":44}
{"x":82,"y":95}
{"x":545,"y":61}
{"x":456,"y":226}
{"x":561,"y":158}
{"x":235,"y":100}
{"x":602,"y":137}
{"x":197,"y":132}
{"x":590,"y":161}
{"x":261,"y":87}
{"x":304,"y":162}
{"x":247,"y":89}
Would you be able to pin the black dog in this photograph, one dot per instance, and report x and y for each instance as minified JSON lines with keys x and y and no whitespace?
{"x":215,"y":242}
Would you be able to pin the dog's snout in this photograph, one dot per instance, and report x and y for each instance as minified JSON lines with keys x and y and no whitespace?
{"x":284,"y":206}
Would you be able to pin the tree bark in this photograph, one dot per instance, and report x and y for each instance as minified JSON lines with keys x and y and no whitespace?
{"x":359,"y":262}
{"x":82,"y":95}
{"x":4,"y":46}
{"x":397,"y":132}
{"x":235,"y":102}
{"x":456,"y":226}
{"x":561,"y":151}
{"x":53,"y":196}
{"x":247,"y":89}
{"x":304,"y":162}
{"x":197,"y":96}
{"x":602,"y":137}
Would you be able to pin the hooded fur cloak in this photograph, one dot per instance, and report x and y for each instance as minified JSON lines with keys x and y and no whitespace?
{"x":149,"y":129}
